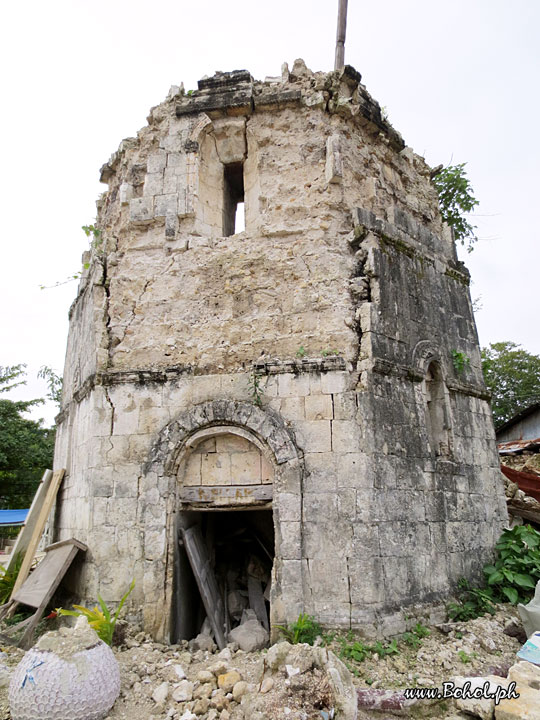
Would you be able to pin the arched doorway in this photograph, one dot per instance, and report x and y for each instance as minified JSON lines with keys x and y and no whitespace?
{"x":223,"y":465}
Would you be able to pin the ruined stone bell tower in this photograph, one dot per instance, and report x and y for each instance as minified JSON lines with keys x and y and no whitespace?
{"x":289,"y":387}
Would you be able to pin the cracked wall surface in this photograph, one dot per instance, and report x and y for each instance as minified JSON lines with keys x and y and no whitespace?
{"x":342,"y":297}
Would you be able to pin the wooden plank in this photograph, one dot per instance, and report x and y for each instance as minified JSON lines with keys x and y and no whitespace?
{"x":40,"y":521}
{"x":256,"y":600}
{"x":226,"y":495}
{"x":38,"y":585}
{"x":39,"y":588}
{"x":25,"y":534}
{"x":206,"y":581}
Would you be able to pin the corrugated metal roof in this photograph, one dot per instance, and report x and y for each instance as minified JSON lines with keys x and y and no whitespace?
{"x":516,"y":446}
{"x":528,"y":482}
{"x":13,"y":517}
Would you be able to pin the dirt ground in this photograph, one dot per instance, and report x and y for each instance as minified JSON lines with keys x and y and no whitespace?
{"x":160,"y":681}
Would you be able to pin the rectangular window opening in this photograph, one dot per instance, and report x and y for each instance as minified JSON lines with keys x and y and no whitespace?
{"x":233,"y":197}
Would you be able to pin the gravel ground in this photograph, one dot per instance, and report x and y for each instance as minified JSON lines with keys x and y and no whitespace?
{"x":160,"y":681}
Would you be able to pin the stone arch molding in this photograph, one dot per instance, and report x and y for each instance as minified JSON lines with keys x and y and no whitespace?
{"x":265,"y":425}
{"x":425,"y":352}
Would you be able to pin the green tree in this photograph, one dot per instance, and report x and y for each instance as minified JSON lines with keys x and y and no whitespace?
{"x":26,"y":447}
{"x":456,"y":198}
{"x":512,"y":376}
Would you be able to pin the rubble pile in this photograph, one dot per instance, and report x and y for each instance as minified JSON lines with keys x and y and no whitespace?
{"x":189,"y":681}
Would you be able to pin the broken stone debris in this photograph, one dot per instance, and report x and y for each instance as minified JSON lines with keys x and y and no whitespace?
{"x":250,"y":634}
{"x":69,"y":673}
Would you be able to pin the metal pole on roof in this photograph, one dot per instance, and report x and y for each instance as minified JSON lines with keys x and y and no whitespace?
{"x":340,"y":35}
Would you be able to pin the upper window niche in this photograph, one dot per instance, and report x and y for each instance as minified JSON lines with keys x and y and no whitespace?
{"x":225,"y":183}
{"x":438,"y":414}
{"x":233,"y":198}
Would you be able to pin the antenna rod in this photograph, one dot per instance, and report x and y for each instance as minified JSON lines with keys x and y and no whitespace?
{"x":340,"y":35}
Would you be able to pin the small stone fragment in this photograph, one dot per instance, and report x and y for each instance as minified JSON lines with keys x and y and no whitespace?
{"x":206,"y":676}
{"x":266,"y":685}
{"x":239,"y":689}
{"x":161,"y":693}
{"x":184,"y":691}
{"x":227,"y":681}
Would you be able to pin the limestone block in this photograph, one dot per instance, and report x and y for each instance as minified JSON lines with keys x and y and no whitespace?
{"x":216,"y":469}
{"x":319,"y":407}
{"x":293,"y":408}
{"x":245,"y":468}
{"x":141,"y":210}
{"x":177,"y":161}
{"x":165,"y":205}
{"x":172,"y":181}
{"x":125,"y":193}
{"x":288,"y":506}
{"x":289,"y":544}
{"x":153,"y":184}
{"x":334,"y":381}
{"x":346,"y":436}
{"x":329,"y":577}
{"x":314,"y":435}
{"x":354,"y":470}
{"x":232,"y":444}
{"x":366,"y":580}
{"x":156,"y":162}
{"x":267,"y":470}
{"x":334,"y":162}
{"x":402,"y":538}
{"x":154,"y":545}
{"x":230,"y":137}
{"x":527,"y":706}
{"x":321,"y":472}
{"x":291,"y":385}
{"x":103,"y":484}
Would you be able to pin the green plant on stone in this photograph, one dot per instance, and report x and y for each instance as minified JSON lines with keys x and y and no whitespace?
{"x":515,"y":572}
{"x":464,"y":657}
{"x":301,"y":352}
{"x":100,"y":618}
{"x":460,"y":361}
{"x":326,"y":353}
{"x":472,"y":602}
{"x":304,"y":630}
{"x":414,"y":637}
{"x":255,"y":389}
{"x":456,"y":198}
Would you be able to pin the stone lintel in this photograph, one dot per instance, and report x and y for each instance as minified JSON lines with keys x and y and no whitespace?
{"x":226,"y":496}
{"x":276,"y":367}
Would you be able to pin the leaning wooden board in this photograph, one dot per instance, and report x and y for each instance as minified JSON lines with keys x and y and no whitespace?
{"x":39,"y":588}
{"x":27,"y":530}
{"x":206,"y":581}
{"x":41,"y":519}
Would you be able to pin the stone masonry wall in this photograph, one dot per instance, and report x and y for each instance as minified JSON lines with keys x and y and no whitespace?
{"x":311,"y":358}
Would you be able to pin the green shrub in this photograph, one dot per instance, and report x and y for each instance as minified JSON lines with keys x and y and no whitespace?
{"x":472,"y":603}
{"x":304,"y":630}
{"x":99,"y":618}
{"x":516,"y":570}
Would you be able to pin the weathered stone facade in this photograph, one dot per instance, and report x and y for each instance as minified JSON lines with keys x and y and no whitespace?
{"x":303,"y":364}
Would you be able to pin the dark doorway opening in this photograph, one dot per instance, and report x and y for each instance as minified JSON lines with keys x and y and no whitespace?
{"x":239,"y":547}
{"x":233,"y":196}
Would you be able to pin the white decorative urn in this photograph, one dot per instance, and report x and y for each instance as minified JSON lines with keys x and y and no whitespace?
{"x":70,"y":674}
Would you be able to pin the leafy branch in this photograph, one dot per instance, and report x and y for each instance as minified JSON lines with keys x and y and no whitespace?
{"x":456,"y":198}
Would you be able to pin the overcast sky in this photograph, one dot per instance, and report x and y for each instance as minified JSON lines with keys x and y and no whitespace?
{"x":458,"y":79}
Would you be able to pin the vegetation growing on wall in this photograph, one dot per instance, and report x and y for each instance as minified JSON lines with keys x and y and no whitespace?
{"x":456,"y":199}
